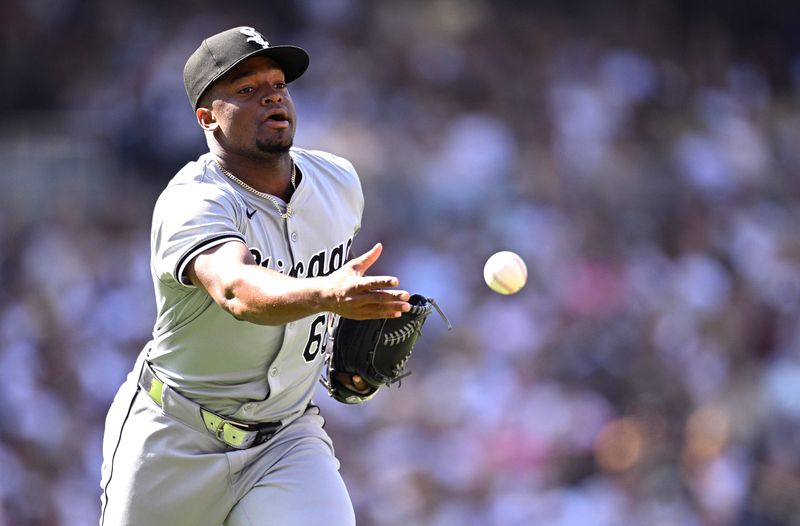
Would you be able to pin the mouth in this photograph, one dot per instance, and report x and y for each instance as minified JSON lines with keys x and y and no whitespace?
{"x":277,"y":119}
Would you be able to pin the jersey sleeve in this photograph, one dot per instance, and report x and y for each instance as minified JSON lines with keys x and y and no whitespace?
{"x":187,"y":220}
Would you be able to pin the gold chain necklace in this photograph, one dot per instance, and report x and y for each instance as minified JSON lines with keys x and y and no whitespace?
{"x":289,"y":210}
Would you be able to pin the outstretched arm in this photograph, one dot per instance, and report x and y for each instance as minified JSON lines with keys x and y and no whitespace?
{"x":259,"y":295}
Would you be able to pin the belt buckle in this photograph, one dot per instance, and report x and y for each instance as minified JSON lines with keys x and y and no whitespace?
{"x":237,"y":437}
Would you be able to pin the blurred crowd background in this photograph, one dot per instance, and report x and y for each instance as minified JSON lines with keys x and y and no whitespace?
{"x":642,"y":157}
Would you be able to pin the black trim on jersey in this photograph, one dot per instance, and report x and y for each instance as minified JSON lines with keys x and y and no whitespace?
{"x":114,"y":455}
{"x":200,"y":247}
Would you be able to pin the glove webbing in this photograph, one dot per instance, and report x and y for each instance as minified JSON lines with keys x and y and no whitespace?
{"x":402,"y":334}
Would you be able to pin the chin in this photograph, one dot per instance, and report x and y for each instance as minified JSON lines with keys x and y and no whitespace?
{"x":273,"y":147}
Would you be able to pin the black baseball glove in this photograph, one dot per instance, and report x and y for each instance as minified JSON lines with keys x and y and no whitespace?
{"x":376,"y":350}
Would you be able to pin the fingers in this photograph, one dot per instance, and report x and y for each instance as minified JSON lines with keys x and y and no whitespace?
{"x":373,"y":283}
{"x":375,"y":304}
{"x":379,"y":309}
{"x":353,"y":382}
{"x":357,"y":296}
{"x":363,"y":262}
{"x":381,"y":296}
{"x":386,"y":300}
{"x":359,"y":383}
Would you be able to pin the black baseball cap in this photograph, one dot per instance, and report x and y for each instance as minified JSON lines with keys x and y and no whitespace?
{"x":219,"y":53}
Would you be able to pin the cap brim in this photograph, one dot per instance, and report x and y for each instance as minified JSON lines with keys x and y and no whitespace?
{"x":292,"y":60}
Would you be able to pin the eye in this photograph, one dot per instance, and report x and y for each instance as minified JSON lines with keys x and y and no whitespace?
{"x":280,"y":85}
{"x":246,"y":90}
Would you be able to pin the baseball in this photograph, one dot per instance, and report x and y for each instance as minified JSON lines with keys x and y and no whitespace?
{"x":505,"y":272}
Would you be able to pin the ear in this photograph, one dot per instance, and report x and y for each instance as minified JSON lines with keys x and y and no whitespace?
{"x":206,"y":119}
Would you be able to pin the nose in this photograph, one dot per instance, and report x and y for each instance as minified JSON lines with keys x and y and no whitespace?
{"x":272,"y":97}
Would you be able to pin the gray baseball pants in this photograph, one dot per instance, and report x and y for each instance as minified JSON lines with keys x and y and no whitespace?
{"x":160,"y":466}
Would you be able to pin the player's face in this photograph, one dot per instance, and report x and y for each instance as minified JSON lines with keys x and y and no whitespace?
{"x":254,"y":110}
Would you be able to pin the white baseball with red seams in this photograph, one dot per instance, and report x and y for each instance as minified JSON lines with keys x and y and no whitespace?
{"x":505,"y":272}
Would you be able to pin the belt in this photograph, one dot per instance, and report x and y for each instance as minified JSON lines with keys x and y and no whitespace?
{"x":238,"y":435}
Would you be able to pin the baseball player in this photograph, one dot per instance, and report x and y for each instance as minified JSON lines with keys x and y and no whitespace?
{"x":249,"y":247}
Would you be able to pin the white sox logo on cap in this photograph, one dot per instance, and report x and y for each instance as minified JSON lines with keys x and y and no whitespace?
{"x":255,"y":36}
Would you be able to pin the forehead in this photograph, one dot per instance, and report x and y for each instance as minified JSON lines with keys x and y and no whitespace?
{"x":251,"y":66}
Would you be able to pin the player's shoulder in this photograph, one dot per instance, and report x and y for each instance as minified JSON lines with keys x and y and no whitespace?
{"x":325,"y":162}
{"x":321,"y":157}
{"x":199,"y":177}
{"x":196,"y":172}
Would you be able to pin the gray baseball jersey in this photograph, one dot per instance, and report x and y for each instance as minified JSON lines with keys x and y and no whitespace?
{"x":161,"y":465}
{"x":249,"y":372}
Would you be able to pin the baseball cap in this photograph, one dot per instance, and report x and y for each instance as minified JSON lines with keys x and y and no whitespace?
{"x":219,"y":53}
